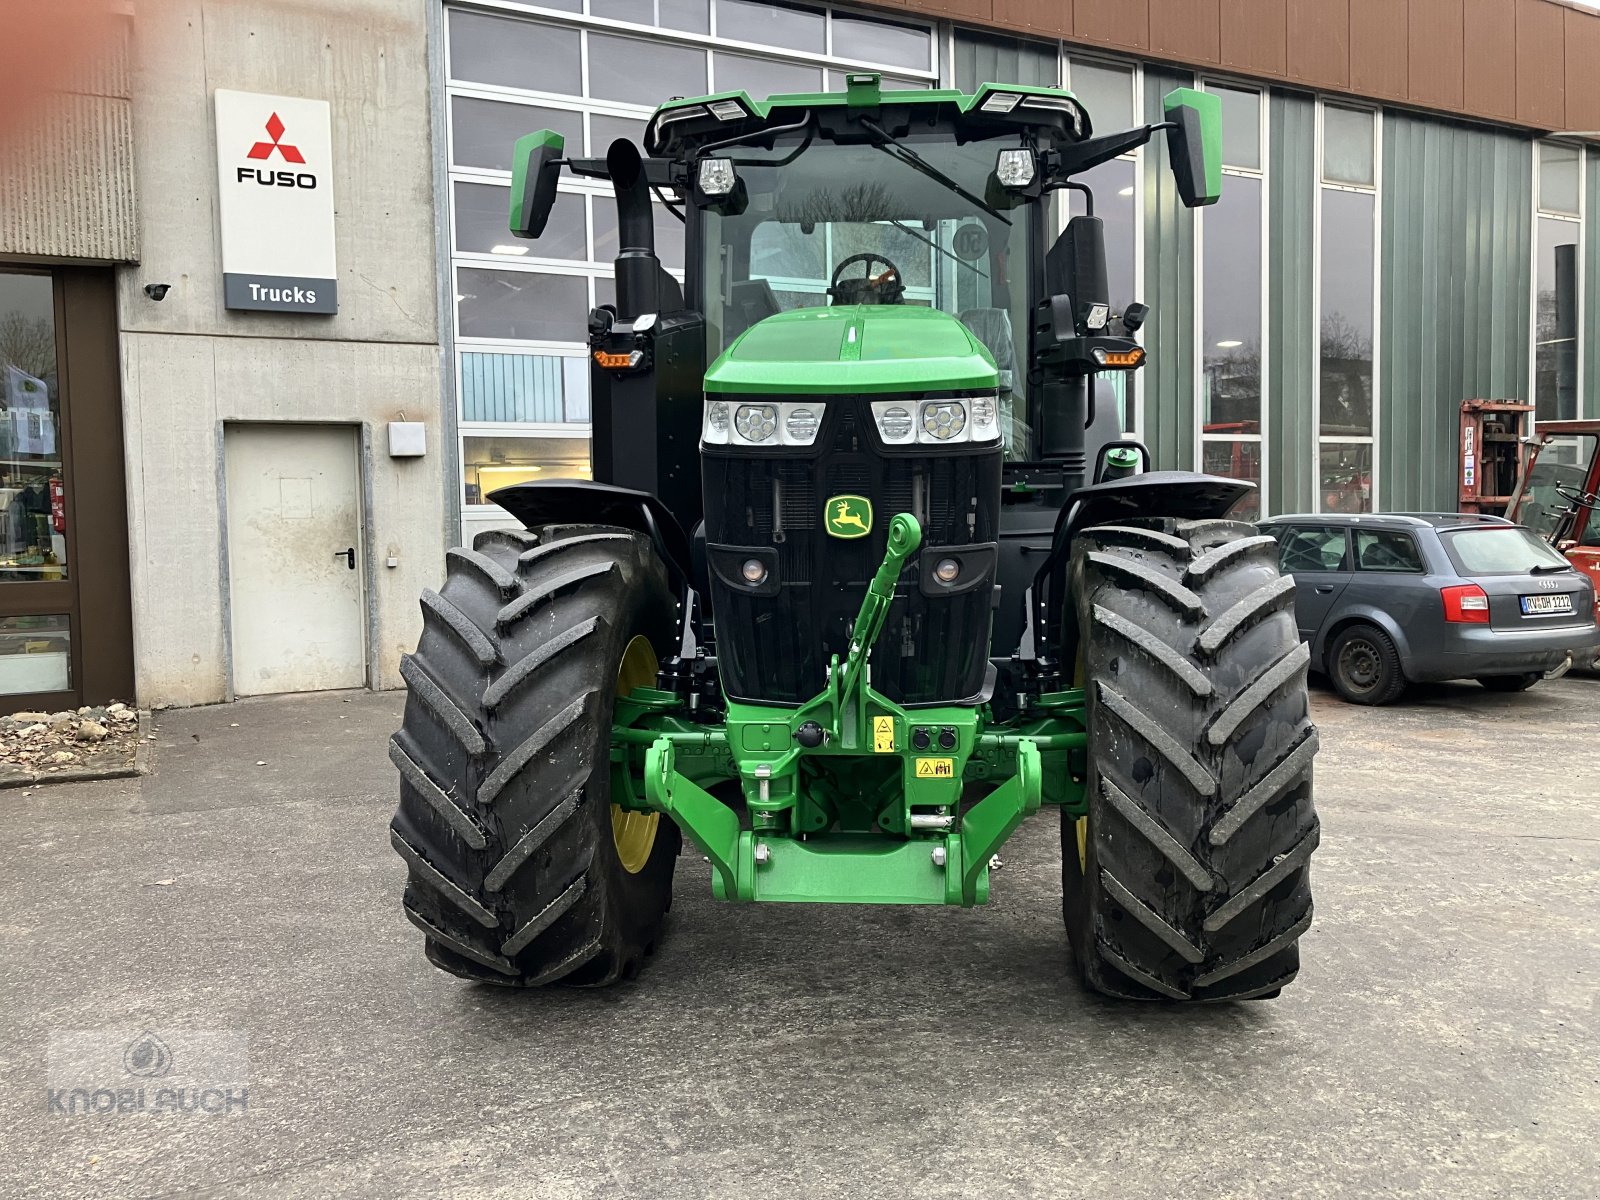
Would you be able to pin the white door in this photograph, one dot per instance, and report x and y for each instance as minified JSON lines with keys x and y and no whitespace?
{"x":294,"y":558}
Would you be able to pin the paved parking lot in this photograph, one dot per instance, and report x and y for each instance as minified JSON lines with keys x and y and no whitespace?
{"x":1442,"y":1039}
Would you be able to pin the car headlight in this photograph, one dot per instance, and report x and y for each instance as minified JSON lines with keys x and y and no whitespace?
{"x":942,"y":420}
{"x":756,"y":422}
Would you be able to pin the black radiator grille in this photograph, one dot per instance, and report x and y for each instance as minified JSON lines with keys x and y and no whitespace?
{"x":776,"y":647}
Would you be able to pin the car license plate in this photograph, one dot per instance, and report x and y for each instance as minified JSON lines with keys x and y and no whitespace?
{"x":1539,"y":605}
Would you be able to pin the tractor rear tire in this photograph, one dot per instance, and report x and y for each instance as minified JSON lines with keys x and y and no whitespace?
{"x":1188,"y":879}
{"x":517,"y":874}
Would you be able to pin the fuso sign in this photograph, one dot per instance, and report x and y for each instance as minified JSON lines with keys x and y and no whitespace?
{"x":275,"y":175}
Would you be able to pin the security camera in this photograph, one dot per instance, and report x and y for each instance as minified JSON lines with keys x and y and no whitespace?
{"x":157,"y":291}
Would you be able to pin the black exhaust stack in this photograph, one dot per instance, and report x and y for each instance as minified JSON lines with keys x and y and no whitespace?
{"x":637,"y":267}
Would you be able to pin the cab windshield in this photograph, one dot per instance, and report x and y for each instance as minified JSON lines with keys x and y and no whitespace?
{"x":1563,"y":461}
{"x":829,"y":224}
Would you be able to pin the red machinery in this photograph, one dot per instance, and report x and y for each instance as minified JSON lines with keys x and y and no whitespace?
{"x":1490,"y":453}
{"x":1558,"y":494}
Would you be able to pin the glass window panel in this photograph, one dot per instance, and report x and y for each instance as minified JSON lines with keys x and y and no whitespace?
{"x":576,"y":371}
{"x":669,"y":234}
{"x":641,"y":12}
{"x":605,"y":130}
{"x":33,"y":521}
{"x":1347,"y":145}
{"x":1555,"y":338}
{"x":762,"y":77}
{"x":482,"y":224}
{"x":1107,"y":94}
{"x":482,"y":132}
{"x":523,"y":305}
{"x":1235,"y":459}
{"x":641,"y":72}
{"x":1347,"y":312}
{"x":1241,"y":127}
{"x":1378,"y":550}
{"x":1231,"y":349}
{"x":769,"y":25}
{"x":512,"y":387}
{"x":780,"y":250}
{"x":1346,"y":477}
{"x":488,"y":463}
{"x":691,"y":16}
{"x":515,"y":53}
{"x":1304,"y":548}
{"x":605,"y":290}
{"x":874,"y":41}
{"x":890,"y":83}
{"x":35,"y":654}
{"x":1558,"y":178}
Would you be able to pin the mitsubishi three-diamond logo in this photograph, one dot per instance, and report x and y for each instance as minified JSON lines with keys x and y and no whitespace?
{"x":275,"y":132}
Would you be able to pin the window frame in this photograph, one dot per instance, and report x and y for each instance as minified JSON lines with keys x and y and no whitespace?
{"x":1322,"y":186}
{"x":1581,"y":222}
{"x":1261,"y":438}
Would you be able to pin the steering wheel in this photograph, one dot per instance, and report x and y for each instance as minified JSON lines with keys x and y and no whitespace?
{"x":1575,"y":496}
{"x":885,"y":288}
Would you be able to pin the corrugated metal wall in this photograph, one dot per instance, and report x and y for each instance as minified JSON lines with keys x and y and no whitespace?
{"x":980,"y":59}
{"x":1168,"y":381}
{"x":1291,"y":330}
{"x":1457,"y":212}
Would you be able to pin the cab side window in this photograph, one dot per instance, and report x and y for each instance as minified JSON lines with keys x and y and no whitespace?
{"x":1382,"y":550}
{"x":1312,"y":548}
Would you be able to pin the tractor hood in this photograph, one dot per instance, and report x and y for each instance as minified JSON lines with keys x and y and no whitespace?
{"x":853,"y":349}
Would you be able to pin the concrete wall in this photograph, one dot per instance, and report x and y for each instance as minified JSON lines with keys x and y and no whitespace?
{"x":189,"y":365}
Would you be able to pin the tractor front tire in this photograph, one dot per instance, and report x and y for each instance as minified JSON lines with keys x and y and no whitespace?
{"x":1188,"y":879}
{"x":521,"y":872}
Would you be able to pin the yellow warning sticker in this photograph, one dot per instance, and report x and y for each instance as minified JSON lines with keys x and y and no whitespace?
{"x":883,"y":735}
{"x":936,"y":768}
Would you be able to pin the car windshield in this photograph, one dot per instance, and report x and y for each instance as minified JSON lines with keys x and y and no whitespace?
{"x":1500,"y":550}
{"x":1562,"y":461}
{"x":811,"y":206}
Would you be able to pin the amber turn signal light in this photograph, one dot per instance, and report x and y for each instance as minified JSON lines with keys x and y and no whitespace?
{"x":618,"y":361}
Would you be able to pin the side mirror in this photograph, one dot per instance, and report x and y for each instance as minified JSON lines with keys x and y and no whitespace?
{"x":1194,"y":144}
{"x":535,"y":167}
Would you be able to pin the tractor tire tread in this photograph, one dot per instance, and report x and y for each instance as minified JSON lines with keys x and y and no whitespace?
{"x":1195,"y":885}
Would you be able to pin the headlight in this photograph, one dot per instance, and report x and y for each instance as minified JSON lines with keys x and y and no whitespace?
{"x":1001,"y":102}
{"x":985,"y":418}
{"x":716,"y":176}
{"x":1015,"y":168}
{"x":756,"y":422}
{"x":800,"y":425}
{"x":893,"y":419}
{"x":943,"y":420}
{"x":715,"y":429}
{"x":727,"y":110}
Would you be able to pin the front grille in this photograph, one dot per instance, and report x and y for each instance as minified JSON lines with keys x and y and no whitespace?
{"x":776,"y":647}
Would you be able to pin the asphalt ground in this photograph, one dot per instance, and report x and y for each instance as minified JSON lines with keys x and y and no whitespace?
{"x":242,"y":904}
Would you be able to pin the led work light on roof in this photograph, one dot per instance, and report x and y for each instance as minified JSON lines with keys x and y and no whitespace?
{"x":716,"y":176}
{"x":1001,"y":102}
{"x":727,"y":110}
{"x":1015,"y":168}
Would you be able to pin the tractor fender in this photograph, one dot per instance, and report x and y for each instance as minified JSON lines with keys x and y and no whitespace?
{"x":1360,"y":614}
{"x":585,"y":502}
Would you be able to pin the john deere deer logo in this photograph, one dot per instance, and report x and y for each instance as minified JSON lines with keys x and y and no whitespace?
{"x":848,"y":516}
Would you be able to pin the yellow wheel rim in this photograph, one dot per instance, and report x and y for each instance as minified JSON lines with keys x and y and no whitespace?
{"x":634,"y":832}
{"x":1082,"y":826}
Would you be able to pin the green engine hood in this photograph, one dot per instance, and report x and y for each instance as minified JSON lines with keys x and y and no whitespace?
{"x":854,"y":348}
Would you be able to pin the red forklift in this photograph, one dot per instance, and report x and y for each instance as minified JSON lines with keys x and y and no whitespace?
{"x":1558,"y":495}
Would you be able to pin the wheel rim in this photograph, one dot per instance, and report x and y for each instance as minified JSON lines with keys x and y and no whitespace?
{"x":634,"y":832}
{"x":1360,"y":665}
{"x":1082,"y":827}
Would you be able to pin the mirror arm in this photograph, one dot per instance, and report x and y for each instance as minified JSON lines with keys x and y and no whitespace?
{"x":1092,"y":153}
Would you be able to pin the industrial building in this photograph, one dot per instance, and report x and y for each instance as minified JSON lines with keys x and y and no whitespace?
{"x":268,"y":346}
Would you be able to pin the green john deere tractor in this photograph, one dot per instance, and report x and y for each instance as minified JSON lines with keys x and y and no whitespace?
{"x":867,"y":573}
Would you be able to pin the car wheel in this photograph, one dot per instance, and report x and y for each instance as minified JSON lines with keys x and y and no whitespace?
{"x":1509,"y":683}
{"x":1365,"y":667}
